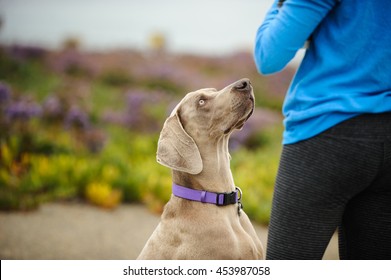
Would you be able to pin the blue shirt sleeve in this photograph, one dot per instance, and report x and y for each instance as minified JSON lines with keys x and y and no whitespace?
{"x":285,"y":30}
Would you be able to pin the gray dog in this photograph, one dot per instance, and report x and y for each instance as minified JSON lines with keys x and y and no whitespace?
{"x":204,"y":218}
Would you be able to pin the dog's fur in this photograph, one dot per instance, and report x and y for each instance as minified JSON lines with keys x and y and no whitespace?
{"x":194,"y":144}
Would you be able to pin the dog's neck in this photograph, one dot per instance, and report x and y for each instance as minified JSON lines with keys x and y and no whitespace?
{"x":216,"y":175}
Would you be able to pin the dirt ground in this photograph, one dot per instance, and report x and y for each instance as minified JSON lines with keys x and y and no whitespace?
{"x":80,"y":231}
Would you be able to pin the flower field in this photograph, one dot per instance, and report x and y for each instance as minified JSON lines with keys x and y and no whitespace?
{"x":79,"y":125}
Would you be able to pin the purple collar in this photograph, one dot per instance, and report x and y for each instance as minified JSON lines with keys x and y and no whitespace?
{"x":219,"y":199}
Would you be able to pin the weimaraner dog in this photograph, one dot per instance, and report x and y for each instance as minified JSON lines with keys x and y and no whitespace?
{"x":204,"y":217}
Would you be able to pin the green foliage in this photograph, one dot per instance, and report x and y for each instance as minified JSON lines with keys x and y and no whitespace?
{"x":116,"y":78}
{"x":255,"y":172}
{"x":164,"y":85}
{"x":27,"y":73}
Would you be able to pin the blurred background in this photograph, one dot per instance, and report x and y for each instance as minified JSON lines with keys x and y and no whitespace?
{"x":208,"y":27}
{"x":85,"y":87}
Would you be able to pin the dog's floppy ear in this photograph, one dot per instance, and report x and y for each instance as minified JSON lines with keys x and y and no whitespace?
{"x":177,"y":149}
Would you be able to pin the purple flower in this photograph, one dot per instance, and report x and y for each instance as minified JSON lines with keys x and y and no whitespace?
{"x":72,"y":62}
{"x":52,"y":107}
{"x":77,"y":118}
{"x":136,"y":101}
{"x":20,"y":52}
{"x":257,"y":123}
{"x":143,"y":112}
{"x":22,"y":110}
{"x":5,"y":93}
{"x":117,"y":118}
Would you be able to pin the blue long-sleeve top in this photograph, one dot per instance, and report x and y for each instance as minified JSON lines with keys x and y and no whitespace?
{"x":346,"y":70}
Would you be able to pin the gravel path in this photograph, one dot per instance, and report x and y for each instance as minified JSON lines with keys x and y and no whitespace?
{"x":80,"y":231}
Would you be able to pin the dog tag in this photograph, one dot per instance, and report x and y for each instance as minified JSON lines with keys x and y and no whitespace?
{"x":240,"y":207}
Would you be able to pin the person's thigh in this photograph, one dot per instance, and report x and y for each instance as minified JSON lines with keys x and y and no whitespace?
{"x":366,"y":229}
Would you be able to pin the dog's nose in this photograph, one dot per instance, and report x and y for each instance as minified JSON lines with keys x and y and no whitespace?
{"x":243,"y":85}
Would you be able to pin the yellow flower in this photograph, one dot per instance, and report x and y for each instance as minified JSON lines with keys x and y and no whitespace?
{"x":6,"y":154}
{"x":102,"y":194}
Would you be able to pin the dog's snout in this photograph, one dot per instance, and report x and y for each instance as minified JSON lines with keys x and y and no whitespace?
{"x":243,"y":85}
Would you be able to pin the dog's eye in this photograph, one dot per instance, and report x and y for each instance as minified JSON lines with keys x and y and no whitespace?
{"x":201,"y":102}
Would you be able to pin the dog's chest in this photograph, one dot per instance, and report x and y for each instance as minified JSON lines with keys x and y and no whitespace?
{"x":209,"y":237}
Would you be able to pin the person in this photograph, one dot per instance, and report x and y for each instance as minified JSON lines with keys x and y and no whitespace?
{"x":335,"y":166}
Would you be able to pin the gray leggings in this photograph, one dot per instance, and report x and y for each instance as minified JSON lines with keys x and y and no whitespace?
{"x":338,"y":179}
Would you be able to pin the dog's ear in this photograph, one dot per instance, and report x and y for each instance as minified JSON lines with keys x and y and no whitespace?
{"x":177,"y":149}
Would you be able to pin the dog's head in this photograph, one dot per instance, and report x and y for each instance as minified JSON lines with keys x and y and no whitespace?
{"x":201,"y":119}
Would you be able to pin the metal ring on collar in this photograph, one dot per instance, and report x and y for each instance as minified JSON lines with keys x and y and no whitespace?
{"x":240,"y":192}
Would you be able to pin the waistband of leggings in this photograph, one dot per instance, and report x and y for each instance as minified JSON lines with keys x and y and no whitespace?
{"x":365,"y":126}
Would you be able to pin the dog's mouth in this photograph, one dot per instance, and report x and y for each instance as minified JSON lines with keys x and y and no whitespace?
{"x":240,"y":122}
{"x":252,"y":109}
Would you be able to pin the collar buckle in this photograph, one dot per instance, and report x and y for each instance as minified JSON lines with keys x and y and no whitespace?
{"x":223,"y":199}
